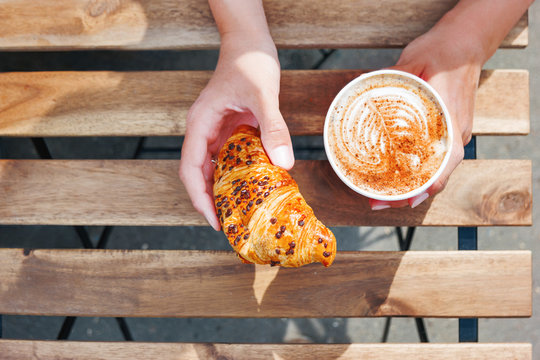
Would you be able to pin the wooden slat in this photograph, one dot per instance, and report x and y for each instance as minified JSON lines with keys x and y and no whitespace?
{"x":156,"y":103}
{"x":148,"y":192}
{"x":186,"y":24}
{"x":21,"y":349}
{"x":216,"y":284}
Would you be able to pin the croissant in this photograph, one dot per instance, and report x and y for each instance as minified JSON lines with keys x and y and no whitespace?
{"x":261,"y":211}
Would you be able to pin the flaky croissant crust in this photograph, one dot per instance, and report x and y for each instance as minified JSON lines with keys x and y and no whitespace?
{"x":259,"y":206}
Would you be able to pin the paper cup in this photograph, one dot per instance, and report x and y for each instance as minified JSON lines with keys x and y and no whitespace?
{"x":423,"y":86}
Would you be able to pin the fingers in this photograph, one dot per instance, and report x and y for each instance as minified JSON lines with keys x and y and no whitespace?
{"x":196,"y":187}
{"x":455,"y":159}
{"x":381,"y":205}
{"x":275,"y":136}
{"x":195,"y":164}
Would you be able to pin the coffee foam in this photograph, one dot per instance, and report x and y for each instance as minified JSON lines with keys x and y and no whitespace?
{"x":387,"y":135}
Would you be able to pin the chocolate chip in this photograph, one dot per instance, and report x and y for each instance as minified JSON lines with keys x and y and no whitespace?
{"x":243,"y":139}
{"x":266,"y":194}
{"x":219,"y":212}
{"x":248,"y":143}
{"x":273,"y":220}
{"x":232,"y":229}
{"x":320,"y":240}
{"x":228,"y":213}
{"x":224,"y":199}
{"x":325,"y":245}
{"x":244,"y":211}
{"x":246,"y":236}
{"x":218,"y":196}
{"x":244,"y":183}
{"x":282,"y":228}
{"x":231,"y":146}
{"x":230,"y":168}
{"x":224,"y":166}
{"x":274,"y":263}
{"x":326,"y":254}
{"x":278,"y":234}
{"x":278,"y":251}
{"x":231,"y":157}
{"x":236,"y":240}
{"x":238,"y":161}
{"x":225,"y":158}
{"x":266,"y":177}
{"x":289,"y":252}
{"x":301,"y":223}
{"x":249,"y":162}
{"x":258,"y":201}
{"x":238,"y":201}
{"x":292,"y":244}
{"x":254,"y":181}
{"x":218,"y":204}
{"x":235,"y":181}
{"x":238,"y":188}
{"x":250,"y":203}
{"x":238,"y":147}
{"x":226,"y":205}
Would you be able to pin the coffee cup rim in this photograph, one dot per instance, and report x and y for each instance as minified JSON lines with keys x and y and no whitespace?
{"x":449,"y":131}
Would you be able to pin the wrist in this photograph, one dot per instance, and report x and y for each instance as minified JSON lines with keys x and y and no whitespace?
{"x":482,"y":24}
{"x":235,"y":42}
{"x":240,"y":19}
{"x":462,"y":38}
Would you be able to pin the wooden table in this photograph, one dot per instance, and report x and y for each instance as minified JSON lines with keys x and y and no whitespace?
{"x":151,"y":283}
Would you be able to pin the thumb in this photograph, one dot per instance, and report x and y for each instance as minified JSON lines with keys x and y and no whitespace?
{"x":276,"y":138}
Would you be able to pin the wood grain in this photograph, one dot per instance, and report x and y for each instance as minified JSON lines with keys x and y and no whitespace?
{"x":148,"y":192}
{"x":60,"y":350}
{"x":188,"y":24}
{"x":187,"y":283}
{"x":156,"y":103}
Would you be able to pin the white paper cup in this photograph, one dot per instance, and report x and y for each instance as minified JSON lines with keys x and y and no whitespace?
{"x":428,"y":90}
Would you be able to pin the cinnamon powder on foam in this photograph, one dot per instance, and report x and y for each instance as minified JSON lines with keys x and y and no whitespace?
{"x":395,"y":173}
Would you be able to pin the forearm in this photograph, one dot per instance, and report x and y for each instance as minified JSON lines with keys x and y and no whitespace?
{"x":482,"y":23}
{"x":242,"y":17}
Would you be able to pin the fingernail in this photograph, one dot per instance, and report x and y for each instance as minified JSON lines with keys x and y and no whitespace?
{"x":380,"y":207}
{"x":419,"y":199}
{"x":211,"y":223}
{"x":282,"y":156}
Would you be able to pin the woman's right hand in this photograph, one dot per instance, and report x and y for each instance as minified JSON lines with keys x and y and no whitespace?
{"x":243,"y":90}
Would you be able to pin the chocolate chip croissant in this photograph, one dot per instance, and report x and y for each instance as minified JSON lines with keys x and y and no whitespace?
{"x":263,"y":214}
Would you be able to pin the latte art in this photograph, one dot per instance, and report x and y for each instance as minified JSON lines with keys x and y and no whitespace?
{"x":387,"y":136}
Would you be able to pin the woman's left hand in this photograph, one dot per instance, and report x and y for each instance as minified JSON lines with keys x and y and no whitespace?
{"x":452,"y":67}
